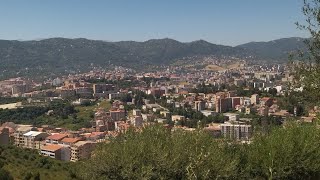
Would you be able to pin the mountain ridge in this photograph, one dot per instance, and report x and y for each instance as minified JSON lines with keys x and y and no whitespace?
{"x":54,"y":56}
{"x":279,"y":48}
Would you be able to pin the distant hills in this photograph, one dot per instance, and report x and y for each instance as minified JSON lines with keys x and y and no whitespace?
{"x":274,"y":50}
{"x":55,"y":56}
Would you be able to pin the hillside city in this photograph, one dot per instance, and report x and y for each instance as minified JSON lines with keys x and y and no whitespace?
{"x":177,"y":90}
{"x":72,"y":114}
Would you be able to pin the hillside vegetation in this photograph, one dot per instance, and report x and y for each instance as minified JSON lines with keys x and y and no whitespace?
{"x":17,"y":163}
{"x":156,"y":153}
{"x":52,"y":57}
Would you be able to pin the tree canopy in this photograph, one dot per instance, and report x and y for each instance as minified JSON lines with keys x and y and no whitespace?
{"x":307,"y":71}
{"x":157,"y":153}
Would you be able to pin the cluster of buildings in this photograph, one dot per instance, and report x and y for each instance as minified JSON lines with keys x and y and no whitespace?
{"x":176,"y":84}
{"x":52,"y":142}
{"x":116,"y":119}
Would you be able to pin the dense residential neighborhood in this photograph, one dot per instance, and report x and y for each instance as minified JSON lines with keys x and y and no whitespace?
{"x":179,"y":90}
{"x":227,"y":103}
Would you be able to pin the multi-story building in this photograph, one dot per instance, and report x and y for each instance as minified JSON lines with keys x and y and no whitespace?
{"x":116,"y":95}
{"x":223,"y":105}
{"x":81,"y":150}
{"x":236,"y":131}
{"x":20,"y":131}
{"x":254,"y":99}
{"x":103,"y":121}
{"x":4,"y":136}
{"x":66,"y":93}
{"x":55,"y":138}
{"x":235,"y":101}
{"x":199,"y":105}
{"x":84,"y":92}
{"x":137,"y":121}
{"x":101,"y":88}
{"x":117,"y":115}
{"x":19,"y":89}
{"x":33,"y":139}
{"x":52,"y":150}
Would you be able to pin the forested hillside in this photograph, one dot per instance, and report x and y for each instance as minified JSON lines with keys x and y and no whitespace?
{"x":56,"y":56}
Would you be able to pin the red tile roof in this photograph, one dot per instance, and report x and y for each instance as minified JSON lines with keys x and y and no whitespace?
{"x":51,"y":147}
{"x":70,"y":140}
{"x":57,"y":137}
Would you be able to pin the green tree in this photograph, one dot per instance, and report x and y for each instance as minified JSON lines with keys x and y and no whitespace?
{"x":5,"y":175}
{"x":158,"y":153}
{"x":28,"y":176}
{"x":287,"y":153}
{"x":37,"y":176}
{"x":273,"y":91}
{"x":307,"y":71}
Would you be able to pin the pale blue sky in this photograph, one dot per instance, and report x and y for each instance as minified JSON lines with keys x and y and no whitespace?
{"x":228,"y":22}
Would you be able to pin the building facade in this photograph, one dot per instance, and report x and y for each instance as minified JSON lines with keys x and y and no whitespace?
{"x":81,"y":150}
{"x":236,"y":131}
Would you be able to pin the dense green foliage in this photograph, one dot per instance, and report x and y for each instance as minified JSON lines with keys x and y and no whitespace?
{"x":63,"y":115}
{"x":7,"y":100}
{"x":28,"y":164}
{"x":194,"y":118}
{"x":22,"y":115}
{"x":288,"y":153}
{"x":157,"y":153}
{"x":298,"y":100}
{"x":203,"y":88}
{"x":307,"y":71}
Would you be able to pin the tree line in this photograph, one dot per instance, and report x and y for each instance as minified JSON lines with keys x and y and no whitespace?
{"x":157,"y":153}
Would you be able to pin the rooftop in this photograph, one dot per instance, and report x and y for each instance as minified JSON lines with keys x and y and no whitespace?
{"x":51,"y":147}
{"x":24,"y":128}
{"x":32,"y":133}
{"x":70,"y":140}
{"x":57,"y":137}
{"x":81,"y":143}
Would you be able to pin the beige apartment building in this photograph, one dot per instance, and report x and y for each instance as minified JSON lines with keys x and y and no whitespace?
{"x":236,"y":131}
{"x":81,"y":150}
{"x":33,"y":139}
{"x":52,"y":151}
{"x":117,"y":115}
{"x":20,"y":131}
{"x":56,"y":151}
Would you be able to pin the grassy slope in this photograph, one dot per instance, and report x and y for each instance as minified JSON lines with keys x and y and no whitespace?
{"x":86,"y":111}
{"x":21,"y":162}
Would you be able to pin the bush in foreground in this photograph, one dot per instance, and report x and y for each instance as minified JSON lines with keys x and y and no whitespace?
{"x":156,"y":153}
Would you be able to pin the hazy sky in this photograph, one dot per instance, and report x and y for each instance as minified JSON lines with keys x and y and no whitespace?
{"x":229,"y":22}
